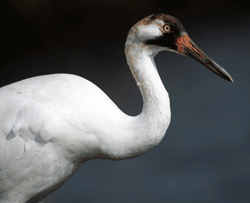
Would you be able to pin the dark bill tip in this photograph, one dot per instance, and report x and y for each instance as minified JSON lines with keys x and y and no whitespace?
{"x":218,"y":70}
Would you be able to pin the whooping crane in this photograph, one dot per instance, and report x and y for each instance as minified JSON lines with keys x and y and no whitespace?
{"x":50,"y":125}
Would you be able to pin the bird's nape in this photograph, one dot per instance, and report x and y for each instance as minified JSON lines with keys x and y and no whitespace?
{"x":188,"y":48}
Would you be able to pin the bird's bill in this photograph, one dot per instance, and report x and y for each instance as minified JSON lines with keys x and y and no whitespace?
{"x":187,"y":47}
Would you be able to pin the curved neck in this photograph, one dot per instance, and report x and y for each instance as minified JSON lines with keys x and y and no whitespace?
{"x":141,"y":62}
{"x":150,"y":126}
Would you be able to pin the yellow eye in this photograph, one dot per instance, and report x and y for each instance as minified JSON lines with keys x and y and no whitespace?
{"x":166,"y":28}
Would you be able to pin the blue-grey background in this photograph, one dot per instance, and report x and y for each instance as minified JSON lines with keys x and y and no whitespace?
{"x":205,"y":156}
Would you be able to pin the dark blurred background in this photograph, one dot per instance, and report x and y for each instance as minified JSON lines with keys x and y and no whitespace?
{"x":205,"y":156}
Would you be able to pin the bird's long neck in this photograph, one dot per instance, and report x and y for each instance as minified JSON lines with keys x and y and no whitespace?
{"x":150,"y":125}
{"x":154,"y":95}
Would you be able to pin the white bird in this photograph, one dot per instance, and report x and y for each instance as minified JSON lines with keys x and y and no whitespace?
{"x":50,"y":125}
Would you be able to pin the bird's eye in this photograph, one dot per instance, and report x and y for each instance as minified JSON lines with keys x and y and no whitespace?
{"x":166,"y":28}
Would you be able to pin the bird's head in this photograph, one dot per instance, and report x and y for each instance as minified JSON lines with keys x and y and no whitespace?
{"x":161,"y":32}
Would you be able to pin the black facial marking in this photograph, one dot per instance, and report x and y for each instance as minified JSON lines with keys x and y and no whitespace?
{"x":175,"y":30}
{"x":167,"y":40}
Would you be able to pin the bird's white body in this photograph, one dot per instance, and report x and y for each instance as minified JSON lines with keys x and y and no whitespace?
{"x":50,"y":125}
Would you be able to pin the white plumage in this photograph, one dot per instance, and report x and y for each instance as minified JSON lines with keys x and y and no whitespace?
{"x":50,"y":125}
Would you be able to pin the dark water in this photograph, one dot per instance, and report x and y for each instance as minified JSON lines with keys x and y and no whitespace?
{"x":205,"y":156}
